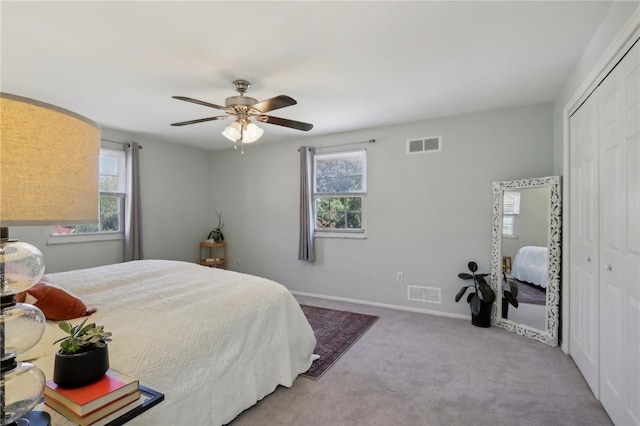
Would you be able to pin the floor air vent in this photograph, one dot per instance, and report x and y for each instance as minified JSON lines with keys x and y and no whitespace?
{"x":424,"y":294}
{"x":424,"y":145}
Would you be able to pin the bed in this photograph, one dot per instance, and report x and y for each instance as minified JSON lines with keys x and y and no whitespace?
{"x":213,"y":341}
{"x":530,"y":266}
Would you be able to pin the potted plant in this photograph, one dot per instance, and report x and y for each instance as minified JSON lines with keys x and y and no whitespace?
{"x":508,"y":296}
{"x":216,"y":234}
{"x":83,"y":356}
{"x":480,"y":298}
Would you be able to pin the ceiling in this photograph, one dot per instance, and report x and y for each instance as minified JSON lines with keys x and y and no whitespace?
{"x":350,"y":65}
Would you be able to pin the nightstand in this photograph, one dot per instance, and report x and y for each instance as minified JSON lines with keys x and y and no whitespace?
{"x":213,"y":254}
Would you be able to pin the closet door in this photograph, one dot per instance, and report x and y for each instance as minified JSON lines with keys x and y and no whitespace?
{"x":619,"y":266}
{"x":584,"y":306}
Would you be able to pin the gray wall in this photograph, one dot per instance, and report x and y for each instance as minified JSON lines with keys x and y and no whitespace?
{"x":175,"y":201}
{"x":533,"y":221}
{"x":427,"y":215}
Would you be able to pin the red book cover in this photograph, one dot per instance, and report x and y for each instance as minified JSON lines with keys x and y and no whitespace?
{"x":85,"y":399}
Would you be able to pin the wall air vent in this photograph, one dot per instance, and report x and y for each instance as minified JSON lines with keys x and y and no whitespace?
{"x":424,"y":145}
{"x":424,"y":294}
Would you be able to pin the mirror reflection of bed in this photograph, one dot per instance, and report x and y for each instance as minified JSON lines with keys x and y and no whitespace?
{"x":524,"y":240}
{"x":529,"y":273}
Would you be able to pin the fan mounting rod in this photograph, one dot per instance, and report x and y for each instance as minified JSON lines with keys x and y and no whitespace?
{"x":241,"y":86}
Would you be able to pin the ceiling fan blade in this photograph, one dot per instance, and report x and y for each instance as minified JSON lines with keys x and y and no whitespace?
{"x":200,"y":120}
{"x":195,"y":101}
{"x":298,"y":125}
{"x":274,"y":103}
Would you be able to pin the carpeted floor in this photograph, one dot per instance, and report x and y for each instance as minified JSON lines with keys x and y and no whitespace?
{"x":413,"y":369}
{"x":335,"y":332}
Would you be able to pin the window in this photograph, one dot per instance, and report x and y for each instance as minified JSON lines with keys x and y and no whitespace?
{"x":510,"y":212}
{"x":340,"y":186}
{"x":112,"y":184}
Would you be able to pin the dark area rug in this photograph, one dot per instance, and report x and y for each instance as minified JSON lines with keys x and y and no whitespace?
{"x":335,"y":332}
{"x":529,"y":293}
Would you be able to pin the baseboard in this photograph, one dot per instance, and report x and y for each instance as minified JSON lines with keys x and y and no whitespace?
{"x":383,"y":305}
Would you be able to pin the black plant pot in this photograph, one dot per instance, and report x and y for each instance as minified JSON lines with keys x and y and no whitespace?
{"x":505,"y":308}
{"x":72,"y":371}
{"x":483,"y":319}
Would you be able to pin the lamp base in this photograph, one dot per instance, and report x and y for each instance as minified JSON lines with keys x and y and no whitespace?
{"x":33,"y":418}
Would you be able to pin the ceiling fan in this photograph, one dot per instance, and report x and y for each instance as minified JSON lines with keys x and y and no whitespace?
{"x":244,"y":108}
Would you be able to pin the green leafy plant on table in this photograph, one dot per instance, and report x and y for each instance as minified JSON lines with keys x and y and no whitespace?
{"x":82,"y":338}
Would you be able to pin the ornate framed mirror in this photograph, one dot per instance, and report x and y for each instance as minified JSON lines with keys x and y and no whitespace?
{"x":525,"y":253}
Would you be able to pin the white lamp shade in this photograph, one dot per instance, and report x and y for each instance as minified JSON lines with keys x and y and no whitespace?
{"x":233,"y":131}
{"x":252,"y":133}
{"x":48,"y":175}
{"x":48,"y":164}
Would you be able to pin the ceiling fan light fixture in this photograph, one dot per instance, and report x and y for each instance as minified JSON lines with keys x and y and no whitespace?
{"x":233,"y":131}
{"x":252,"y":133}
{"x":246,"y":109}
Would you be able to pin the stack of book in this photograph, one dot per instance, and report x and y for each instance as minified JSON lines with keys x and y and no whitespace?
{"x":100,"y":402}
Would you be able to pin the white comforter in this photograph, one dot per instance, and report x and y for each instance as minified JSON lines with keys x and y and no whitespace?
{"x":213,"y":341}
{"x":530,"y":265}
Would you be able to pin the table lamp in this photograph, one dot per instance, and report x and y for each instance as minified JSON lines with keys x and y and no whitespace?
{"x":49,"y":162}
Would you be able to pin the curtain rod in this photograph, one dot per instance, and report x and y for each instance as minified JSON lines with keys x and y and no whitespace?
{"x":121,"y":143}
{"x":344,"y":144}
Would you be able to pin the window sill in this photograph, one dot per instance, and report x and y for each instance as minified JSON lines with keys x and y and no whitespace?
{"x":83,"y":238}
{"x":351,"y":235}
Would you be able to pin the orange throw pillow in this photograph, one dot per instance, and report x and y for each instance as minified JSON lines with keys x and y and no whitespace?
{"x":56,"y":303}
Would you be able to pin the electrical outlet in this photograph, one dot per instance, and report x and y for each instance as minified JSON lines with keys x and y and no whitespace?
{"x":400,"y":277}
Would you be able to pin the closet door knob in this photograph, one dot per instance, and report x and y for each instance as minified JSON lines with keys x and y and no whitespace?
{"x":588,"y":259}
{"x":609,"y":267}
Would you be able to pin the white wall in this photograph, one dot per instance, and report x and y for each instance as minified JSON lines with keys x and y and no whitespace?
{"x":175,"y":190}
{"x":427,"y":215}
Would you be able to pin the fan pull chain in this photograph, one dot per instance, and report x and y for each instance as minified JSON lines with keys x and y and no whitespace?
{"x":243,"y":127}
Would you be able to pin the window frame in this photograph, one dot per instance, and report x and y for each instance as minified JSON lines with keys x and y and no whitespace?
{"x":510,"y":210}
{"x":120,"y":193}
{"x":360,"y":193}
{"x":514,"y":226}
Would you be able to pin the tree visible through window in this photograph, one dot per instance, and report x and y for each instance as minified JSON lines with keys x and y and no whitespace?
{"x":339,"y":190}
{"x":112,"y":183}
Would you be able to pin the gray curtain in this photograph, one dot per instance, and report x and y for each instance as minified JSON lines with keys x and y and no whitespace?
{"x":306,"y":249}
{"x":133,"y":210}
